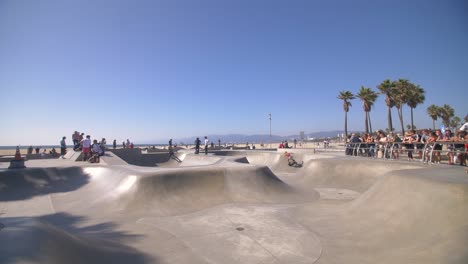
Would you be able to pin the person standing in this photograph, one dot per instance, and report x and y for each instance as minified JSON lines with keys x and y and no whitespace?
{"x":206,"y":145}
{"x":197,"y":145}
{"x":86,"y":143}
{"x":103,"y":146}
{"x":80,"y":139}
{"x":63,"y":148}
{"x":76,"y":139}
{"x":171,"y":151}
{"x":114,"y":144}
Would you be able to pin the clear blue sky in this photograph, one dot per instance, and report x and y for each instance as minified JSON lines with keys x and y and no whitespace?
{"x":151,"y":70}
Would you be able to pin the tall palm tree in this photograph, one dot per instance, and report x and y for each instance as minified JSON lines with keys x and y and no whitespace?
{"x":400,"y":97}
{"x":433,"y":111}
{"x":346,"y":96}
{"x":386,"y":88}
{"x":368,"y":98}
{"x":415,"y":97}
{"x":446,"y":113}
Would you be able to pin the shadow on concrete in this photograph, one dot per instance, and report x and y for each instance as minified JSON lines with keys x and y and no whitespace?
{"x":27,"y":183}
{"x":59,"y":238}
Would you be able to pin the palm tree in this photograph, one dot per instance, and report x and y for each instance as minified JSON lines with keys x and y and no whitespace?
{"x":368,"y":98}
{"x":346,"y":96}
{"x":386,"y":87}
{"x":446,"y":113}
{"x":433,"y":111}
{"x":455,"y":122}
{"x":400,"y":97}
{"x":415,"y":97}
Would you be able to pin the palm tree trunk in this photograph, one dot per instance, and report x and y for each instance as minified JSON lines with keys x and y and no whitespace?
{"x":346,"y":125}
{"x":433,"y":124}
{"x":366,"y":122}
{"x":370,"y":124}
{"x":389,"y":116}
{"x":400,"y":115}
{"x":412,"y":124}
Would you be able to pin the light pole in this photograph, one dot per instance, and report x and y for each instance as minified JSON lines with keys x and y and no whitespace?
{"x":270,"y":130}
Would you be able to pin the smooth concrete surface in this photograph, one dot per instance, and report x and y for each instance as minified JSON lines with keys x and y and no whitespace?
{"x":233,"y":207}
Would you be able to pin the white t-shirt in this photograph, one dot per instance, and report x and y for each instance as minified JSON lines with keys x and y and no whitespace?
{"x":464,"y":127}
{"x":96,"y":148}
{"x":206,"y":142}
{"x":86,"y":143}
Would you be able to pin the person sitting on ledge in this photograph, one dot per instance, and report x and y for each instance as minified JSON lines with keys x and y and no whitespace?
{"x":95,"y":152}
{"x":53,"y":152}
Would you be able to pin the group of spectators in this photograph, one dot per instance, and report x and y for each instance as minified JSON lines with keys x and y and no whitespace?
{"x":127,"y":144}
{"x":37,"y":150}
{"x":427,"y":143}
{"x":92,"y":150}
{"x":197,"y":145}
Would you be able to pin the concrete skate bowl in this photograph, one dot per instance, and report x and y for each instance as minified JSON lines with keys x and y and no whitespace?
{"x":27,"y":183}
{"x":163,"y":159}
{"x":234,"y":212}
{"x":33,"y":231}
{"x":119,"y":215}
{"x":184,"y":191}
{"x":277,"y":162}
{"x":406,"y":216}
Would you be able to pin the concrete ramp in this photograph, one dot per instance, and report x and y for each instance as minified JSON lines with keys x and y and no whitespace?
{"x":405,"y":216}
{"x":36,"y":240}
{"x":74,"y":155}
{"x":185,"y":191}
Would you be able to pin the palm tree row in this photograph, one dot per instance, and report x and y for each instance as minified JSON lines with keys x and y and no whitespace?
{"x":397,"y":94}
{"x":446,"y":113}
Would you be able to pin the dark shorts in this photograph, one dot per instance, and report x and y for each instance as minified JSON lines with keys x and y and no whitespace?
{"x":437,"y":147}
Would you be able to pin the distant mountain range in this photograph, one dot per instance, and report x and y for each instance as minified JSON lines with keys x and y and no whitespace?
{"x":240,"y":138}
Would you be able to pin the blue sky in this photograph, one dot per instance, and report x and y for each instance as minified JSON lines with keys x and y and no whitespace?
{"x":151,"y":70}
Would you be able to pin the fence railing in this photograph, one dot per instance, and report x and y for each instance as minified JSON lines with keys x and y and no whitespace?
{"x":433,"y":152}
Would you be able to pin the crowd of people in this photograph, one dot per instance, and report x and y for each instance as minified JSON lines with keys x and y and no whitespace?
{"x":427,"y":144}
{"x":92,"y":149}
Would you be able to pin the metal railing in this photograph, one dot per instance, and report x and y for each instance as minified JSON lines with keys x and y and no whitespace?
{"x":425,"y":152}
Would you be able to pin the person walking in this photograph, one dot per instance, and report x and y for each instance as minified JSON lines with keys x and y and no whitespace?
{"x":197,"y":145}
{"x":206,"y":145}
{"x":63,"y":148}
